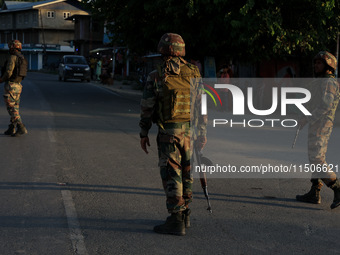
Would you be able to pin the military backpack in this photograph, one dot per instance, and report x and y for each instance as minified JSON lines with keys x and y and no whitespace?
{"x":177,"y":91}
{"x":20,"y":69}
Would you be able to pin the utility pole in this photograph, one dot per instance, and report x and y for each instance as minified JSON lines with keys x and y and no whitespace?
{"x":43,"y":39}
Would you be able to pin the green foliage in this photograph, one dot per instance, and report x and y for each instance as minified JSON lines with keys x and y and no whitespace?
{"x":281,"y":28}
{"x":245,"y":29}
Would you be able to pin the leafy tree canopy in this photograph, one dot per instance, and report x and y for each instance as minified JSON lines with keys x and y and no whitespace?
{"x":245,"y":29}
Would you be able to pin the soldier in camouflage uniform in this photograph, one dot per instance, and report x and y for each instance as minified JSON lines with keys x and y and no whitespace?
{"x":323,"y":104}
{"x":173,"y":140}
{"x":12,"y":90}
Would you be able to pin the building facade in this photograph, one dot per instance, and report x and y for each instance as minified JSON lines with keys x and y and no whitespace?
{"x":45,"y":30}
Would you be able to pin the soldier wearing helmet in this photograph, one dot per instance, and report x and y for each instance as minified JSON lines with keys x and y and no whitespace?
{"x":324,"y":101}
{"x":14,"y":45}
{"x":171,"y":45}
{"x":328,"y":63}
{"x":166,"y":102}
{"x":13,"y":89}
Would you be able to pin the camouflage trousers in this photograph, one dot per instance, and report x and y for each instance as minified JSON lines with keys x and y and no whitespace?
{"x":174,"y":161}
{"x":318,"y":136}
{"x":12,"y":92}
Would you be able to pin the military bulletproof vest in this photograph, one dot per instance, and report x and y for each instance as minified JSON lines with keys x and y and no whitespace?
{"x":20,"y":69}
{"x":175,"y":106}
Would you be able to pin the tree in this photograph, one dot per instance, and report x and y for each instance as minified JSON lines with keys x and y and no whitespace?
{"x":281,"y":28}
{"x":246,"y":29}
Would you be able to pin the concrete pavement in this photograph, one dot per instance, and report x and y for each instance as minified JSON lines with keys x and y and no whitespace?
{"x":119,"y":86}
{"x":84,"y":140}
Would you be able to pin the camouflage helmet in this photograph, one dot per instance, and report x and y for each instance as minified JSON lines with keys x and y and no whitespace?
{"x":171,"y":45}
{"x":329,"y":59}
{"x":15,"y":44}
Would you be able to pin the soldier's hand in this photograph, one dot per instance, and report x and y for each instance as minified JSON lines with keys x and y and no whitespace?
{"x":145,"y":142}
{"x":201,"y":142}
{"x":1,"y":80}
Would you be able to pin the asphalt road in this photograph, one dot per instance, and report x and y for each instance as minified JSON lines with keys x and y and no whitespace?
{"x":79,"y":183}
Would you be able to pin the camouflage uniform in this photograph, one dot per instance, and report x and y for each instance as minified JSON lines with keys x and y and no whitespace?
{"x":173,"y":141}
{"x":13,"y":88}
{"x":323,"y":104}
{"x":168,"y":101}
{"x":12,"y":91}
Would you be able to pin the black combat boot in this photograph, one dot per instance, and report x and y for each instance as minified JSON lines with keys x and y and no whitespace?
{"x":21,"y":130}
{"x":10,"y":130}
{"x":336,"y":188}
{"x":187,"y":213}
{"x":174,"y":225}
{"x":313,"y":196}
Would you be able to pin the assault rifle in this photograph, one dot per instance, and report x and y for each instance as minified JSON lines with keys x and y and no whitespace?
{"x":296,"y":136}
{"x":203,"y":178}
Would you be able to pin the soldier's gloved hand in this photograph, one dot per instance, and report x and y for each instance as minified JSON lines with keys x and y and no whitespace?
{"x":1,"y":80}
{"x":145,"y":142}
{"x":201,"y":142}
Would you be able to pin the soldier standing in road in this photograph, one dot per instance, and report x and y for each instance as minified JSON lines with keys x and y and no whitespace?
{"x":166,"y":101}
{"x":13,"y":89}
{"x":323,"y":104}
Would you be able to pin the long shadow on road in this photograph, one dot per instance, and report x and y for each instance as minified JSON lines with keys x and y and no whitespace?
{"x":265,"y":201}
{"x":37,"y":222}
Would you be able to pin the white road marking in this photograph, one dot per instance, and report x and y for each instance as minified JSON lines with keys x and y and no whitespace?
{"x":51,"y":135}
{"x":73,"y":224}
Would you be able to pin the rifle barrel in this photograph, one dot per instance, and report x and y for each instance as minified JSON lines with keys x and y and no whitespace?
{"x":203,"y":178}
{"x":296,"y":136}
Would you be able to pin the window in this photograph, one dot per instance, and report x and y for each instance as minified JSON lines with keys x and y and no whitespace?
{"x":35,"y":17}
{"x":8,"y":20}
{"x":26,"y":18}
{"x":50,"y":14}
{"x":66,"y":15}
